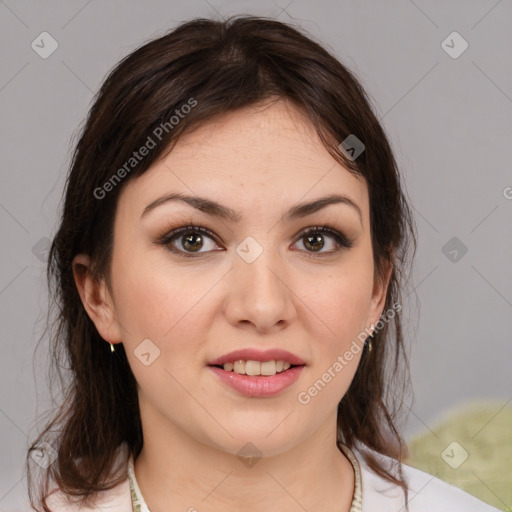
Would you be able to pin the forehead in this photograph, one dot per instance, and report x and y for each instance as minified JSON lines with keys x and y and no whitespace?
{"x":263,"y":157}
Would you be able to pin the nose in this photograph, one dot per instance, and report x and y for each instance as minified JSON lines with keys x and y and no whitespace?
{"x":259,"y":297}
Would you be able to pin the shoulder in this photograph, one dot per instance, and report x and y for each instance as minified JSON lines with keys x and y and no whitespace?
{"x":117,"y":499}
{"x":427,"y":493}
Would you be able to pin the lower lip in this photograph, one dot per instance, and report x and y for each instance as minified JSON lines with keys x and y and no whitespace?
{"x":259,"y":386}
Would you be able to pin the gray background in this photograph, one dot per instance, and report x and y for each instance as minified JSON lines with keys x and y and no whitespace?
{"x":449,"y":120}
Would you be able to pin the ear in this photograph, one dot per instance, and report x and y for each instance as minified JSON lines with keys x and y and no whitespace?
{"x":96,"y":299}
{"x":380,"y":288}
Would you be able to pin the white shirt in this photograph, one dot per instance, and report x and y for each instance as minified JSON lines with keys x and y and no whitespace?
{"x":426,"y":494}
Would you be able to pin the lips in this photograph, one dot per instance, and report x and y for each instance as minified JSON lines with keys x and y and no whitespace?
{"x":258,"y":386}
{"x":258,"y":355}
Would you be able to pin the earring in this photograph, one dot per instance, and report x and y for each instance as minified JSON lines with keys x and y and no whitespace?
{"x":370,"y":341}
{"x":112,"y":349}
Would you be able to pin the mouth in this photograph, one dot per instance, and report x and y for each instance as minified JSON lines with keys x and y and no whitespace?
{"x":253,"y":382}
{"x":254,"y":368}
{"x":258,"y":374}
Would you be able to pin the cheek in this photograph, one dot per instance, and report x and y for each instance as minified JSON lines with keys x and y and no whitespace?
{"x":341,"y":299}
{"x":342,"y":309}
{"x":163,"y":303}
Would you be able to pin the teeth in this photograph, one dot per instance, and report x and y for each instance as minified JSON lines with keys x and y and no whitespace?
{"x":268,"y":368}
{"x":253,"y":368}
{"x":239,"y":367}
{"x":257,"y":367}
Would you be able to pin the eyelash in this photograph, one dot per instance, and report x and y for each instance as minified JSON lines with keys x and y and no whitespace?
{"x":342,"y":241}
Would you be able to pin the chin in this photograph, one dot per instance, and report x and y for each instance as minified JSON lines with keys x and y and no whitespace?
{"x":256,"y":443}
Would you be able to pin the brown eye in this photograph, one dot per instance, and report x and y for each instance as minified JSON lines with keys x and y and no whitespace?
{"x":314,"y":242}
{"x":192,"y":242}
{"x":315,"y":239}
{"x":188,"y":241}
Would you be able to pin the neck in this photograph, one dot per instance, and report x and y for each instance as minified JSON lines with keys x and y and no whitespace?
{"x":178,"y":473}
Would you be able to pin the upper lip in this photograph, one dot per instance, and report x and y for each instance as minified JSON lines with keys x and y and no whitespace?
{"x":245,"y":354}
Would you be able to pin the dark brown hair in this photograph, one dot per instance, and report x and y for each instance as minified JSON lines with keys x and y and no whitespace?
{"x":214,"y":67}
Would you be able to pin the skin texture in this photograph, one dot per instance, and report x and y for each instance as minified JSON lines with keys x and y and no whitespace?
{"x":259,"y":161}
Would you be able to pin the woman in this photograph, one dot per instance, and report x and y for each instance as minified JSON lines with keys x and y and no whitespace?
{"x":228,"y":269}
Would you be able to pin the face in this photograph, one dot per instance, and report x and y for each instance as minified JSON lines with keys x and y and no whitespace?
{"x":260,"y":280}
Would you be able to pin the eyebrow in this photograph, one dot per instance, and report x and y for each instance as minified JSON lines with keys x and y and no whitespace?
{"x":223,"y":212}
